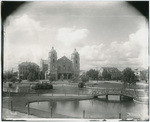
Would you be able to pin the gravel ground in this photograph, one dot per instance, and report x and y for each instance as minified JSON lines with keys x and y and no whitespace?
{"x":8,"y":115}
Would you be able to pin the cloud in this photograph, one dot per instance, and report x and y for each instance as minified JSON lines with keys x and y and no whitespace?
{"x":132,"y":53}
{"x":93,"y":52}
{"x":70,"y":36}
{"x":35,"y":28}
{"x":22,"y":40}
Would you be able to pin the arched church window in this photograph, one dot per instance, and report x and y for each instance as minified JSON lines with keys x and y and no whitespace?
{"x":53,"y":61}
{"x":53,"y":55}
{"x":53,"y":67}
{"x":76,"y":61}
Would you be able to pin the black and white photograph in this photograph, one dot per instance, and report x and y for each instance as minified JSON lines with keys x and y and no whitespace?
{"x":75,"y":60}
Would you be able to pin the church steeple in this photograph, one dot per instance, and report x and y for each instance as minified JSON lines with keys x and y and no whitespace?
{"x":75,"y":62}
{"x":52,"y":61}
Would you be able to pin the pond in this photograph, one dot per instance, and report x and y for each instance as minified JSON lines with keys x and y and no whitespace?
{"x":94,"y":108}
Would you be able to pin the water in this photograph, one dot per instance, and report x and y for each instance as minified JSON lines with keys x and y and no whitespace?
{"x":95,"y":108}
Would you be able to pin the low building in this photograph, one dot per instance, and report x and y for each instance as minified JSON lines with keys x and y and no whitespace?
{"x":23,"y":69}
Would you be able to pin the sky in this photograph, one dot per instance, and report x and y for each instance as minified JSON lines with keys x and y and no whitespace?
{"x":112,"y":34}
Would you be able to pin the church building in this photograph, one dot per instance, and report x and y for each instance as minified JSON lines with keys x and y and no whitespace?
{"x":62,"y":67}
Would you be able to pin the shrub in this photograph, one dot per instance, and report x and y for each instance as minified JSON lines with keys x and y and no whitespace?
{"x":43,"y":86}
{"x":81,"y":85}
{"x":84,"y":78}
{"x":10,"y":84}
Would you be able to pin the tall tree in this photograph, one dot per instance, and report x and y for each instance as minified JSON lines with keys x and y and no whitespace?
{"x":33,"y":73}
{"x":128,"y":76}
{"x":106,"y":75}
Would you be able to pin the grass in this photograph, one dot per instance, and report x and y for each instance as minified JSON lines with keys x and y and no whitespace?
{"x":64,"y":87}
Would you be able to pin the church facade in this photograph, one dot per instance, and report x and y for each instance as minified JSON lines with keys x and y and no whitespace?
{"x":62,"y":67}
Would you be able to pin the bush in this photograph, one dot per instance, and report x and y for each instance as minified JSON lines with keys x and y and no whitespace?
{"x":10,"y":85}
{"x":13,"y":79}
{"x":81,"y":85}
{"x":84,"y":78}
{"x":43,"y":86}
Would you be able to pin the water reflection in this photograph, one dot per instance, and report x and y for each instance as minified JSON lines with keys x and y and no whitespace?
{"x":93,"y":108}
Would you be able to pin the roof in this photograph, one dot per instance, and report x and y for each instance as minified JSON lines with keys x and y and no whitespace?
{"x":111,"y":69}
{"x":64,"y":58}
{"x":28,"y":63}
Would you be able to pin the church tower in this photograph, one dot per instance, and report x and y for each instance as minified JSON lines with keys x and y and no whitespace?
{"x":75,"y":62}
{"x":52,"y":62}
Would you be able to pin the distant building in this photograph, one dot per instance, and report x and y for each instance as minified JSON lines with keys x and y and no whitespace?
{"x":43,"y":65}
{"x":62,"y":67}
{"x":23,"y":69}
{"x":115,"y":74}
{"x":137,"y":73}
{"x":144,"y":75}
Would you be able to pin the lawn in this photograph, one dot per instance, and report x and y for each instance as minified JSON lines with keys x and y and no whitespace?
{"x":63,"y":87}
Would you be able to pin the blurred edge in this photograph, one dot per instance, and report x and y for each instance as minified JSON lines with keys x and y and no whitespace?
{"x":8,"y":7}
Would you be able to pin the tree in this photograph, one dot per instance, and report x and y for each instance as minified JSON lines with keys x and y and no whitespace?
{"x":33,"y":73}
{"x":41,"y":75}
{"x":31,"y":77}
{"x":10,"y":76}
{"x":106,"y":75}
{"x":128,"y":76}
{"x":84,"y":78}
{"x":93,"y":74}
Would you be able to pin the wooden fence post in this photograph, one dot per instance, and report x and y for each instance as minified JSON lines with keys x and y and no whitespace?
{"x":119,"y":115}
{"x":28,"y":109}
{"x":9,"y":92}
{"x":107,"y":97}
{"x":83,"y":113}
{"x":11,"y":105}
{"x":51,"y":111}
